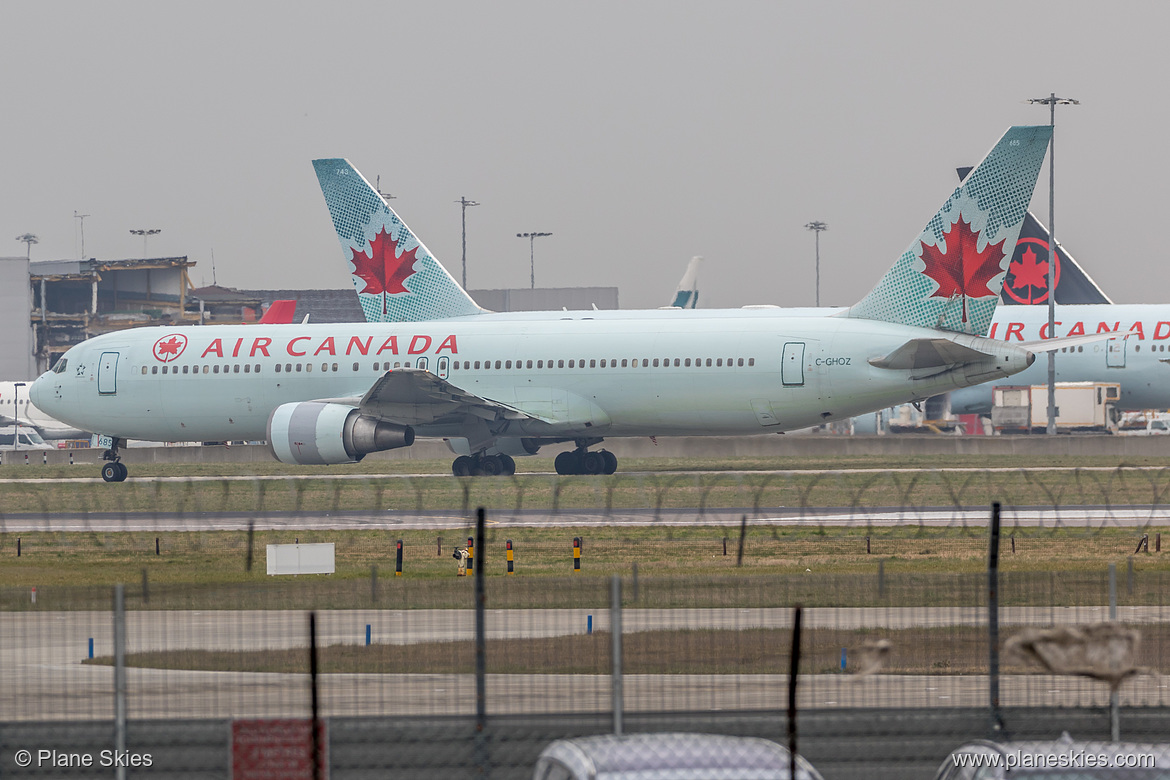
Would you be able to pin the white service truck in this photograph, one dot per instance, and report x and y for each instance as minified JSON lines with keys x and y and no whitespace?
{"x":1083,"y":407}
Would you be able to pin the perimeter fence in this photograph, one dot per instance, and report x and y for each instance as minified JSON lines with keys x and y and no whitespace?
{"x":896,"y":661}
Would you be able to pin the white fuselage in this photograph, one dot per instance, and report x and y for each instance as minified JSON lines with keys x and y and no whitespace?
{"x":1139,"y":358}
{"x":583,"y":374}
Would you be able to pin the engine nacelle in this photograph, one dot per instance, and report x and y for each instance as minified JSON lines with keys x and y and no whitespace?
{"x":316,"y":433}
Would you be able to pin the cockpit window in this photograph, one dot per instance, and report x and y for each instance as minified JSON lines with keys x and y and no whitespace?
{"x":60,"y":367}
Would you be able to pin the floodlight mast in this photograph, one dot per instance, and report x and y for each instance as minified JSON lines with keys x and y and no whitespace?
{"x":818,"y":227}
{"x":1052,"y":101}
{"x":532,"y":252}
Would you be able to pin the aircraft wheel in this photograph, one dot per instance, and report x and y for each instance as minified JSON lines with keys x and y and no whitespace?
{"x":508,"y":465}
{"x":567,"y":464}
{"x":111,"y":472}
{"x":610,"y":465}
{"x":592,"y":463}
{"x":123,"y":472}
{"x":490,"y":466}
{"x":462,"y":466}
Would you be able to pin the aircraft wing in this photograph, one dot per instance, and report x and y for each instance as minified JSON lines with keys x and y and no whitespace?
{"x":412,"y":396}
{"x":928,"y":353}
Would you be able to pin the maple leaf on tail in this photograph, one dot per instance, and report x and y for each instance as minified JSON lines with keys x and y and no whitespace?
{"x":383,"y":270}
{"x":962,"y":269}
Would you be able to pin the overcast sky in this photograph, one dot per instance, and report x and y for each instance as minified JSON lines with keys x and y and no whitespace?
{"x":637,"y":133}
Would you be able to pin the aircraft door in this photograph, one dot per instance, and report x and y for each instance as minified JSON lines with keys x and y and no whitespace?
{"x":792,"y":365}
{"x":1115,"y":353}
{"x":444,"y":366}
{"x":421,"y":363}
{"x":107,"y":378}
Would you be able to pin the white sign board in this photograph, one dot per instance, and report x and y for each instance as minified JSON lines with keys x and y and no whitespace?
{"x":301,"y":559}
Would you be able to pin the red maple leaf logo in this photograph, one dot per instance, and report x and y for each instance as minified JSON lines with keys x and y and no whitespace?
{"x":962,"y":269}
{"x":169,"y":348}
{"x":383,"y":270}
{"x":1027,"y":277}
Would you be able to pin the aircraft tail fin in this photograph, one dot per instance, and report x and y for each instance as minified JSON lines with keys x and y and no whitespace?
{"x":1026,"y":282}
{"x":279,"y":312}
{"x":687,"y":295}
{"x":951,"y":276}
{"x":396,"y":277}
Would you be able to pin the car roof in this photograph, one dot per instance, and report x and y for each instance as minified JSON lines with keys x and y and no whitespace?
{"x":1040,"y":747}
{"x":656,"y":755}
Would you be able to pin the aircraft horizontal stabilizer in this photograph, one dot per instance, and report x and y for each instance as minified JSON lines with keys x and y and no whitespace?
{"x":1051,"y":345}
{"x":413,"y":396}
{"x":928,"y":353}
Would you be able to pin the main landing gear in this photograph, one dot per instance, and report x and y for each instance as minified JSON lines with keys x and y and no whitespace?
{"x":583,"y":461}
{"x":483,"y":466}
{"x":114,"y":470}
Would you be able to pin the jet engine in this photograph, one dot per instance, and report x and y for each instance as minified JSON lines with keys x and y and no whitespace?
{"x":317,"y":433}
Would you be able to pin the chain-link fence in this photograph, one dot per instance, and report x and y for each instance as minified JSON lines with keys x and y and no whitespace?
{"x":896,"y":654}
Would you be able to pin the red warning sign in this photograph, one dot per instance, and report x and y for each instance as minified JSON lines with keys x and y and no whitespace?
{"x":277,"y":749}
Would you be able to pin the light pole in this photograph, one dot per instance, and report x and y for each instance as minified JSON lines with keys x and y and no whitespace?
{"x":818,"y":227}
{"x":464,"y":202}
{"x":146,"y":233}
{"x":29,"y":239}
{"x":16,"y":411}
{"x":81,"y":217}
{"x":532,"y":252}
{"x":1052,"y":101}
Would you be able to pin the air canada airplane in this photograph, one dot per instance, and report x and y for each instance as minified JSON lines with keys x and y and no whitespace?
{"x":498,"y":385}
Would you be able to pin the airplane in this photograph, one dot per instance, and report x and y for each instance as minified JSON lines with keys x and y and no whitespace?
{"x":17,"y":409}
{"x":499,"y":385}
{"x":687,"y":295}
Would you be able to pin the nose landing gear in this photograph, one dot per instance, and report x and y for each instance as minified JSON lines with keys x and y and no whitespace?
{"x":114,"y":470}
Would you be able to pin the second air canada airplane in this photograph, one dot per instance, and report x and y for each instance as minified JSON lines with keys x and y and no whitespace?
{"x":498,"y":385}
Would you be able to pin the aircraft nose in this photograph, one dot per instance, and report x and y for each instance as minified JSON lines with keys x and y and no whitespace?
{"x":37,"y":391}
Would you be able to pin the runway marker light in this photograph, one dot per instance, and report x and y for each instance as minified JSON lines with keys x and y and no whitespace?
{"x":508,"y":549}
{"x":398,"y":561}
{"x":577,"y":556}
{"x":470,"y":554}
{"x":34,"y":594}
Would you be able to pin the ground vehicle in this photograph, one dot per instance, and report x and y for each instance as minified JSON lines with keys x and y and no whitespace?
{"x":671,"y":756}
{"x":22,"y":437}
{"x":1059,"y":759}
{"x":1080,"y":406}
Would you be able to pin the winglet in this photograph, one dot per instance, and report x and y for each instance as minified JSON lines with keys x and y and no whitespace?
{"x":396,"y":277}
{"x":951,"y":276}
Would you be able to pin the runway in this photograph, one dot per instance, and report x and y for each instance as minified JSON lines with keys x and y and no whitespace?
{"x":42,"y":655}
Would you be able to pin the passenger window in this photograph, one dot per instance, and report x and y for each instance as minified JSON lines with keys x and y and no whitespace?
{"x":144,"y":370}
{"x":572,"y":364}
{"x":709,"y":362}
{"x":602,"y":363}
{"x":741,"y":361}
{"x":528,"y":364}
{"x":247,"y":368}
{"x":236,"y":369}
{"x":355,"y":366}
{"x":561,"y":364}
{"x":686,"y":364}
{"x":624,"y":362}
{"x":718,"y":363}
{"x":298,"y":368}
{"x":185,"y":369}
{"x":497,"y":364}
{"x":677,"y":362}
{"x":508,"y":364}
{"x":540,"y":364}
{"x":751,"y":361}
{"x":257,"y":369}
{"x":477,"y":365}
{"x":154,"y":369}
{"x":216,"y":368}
